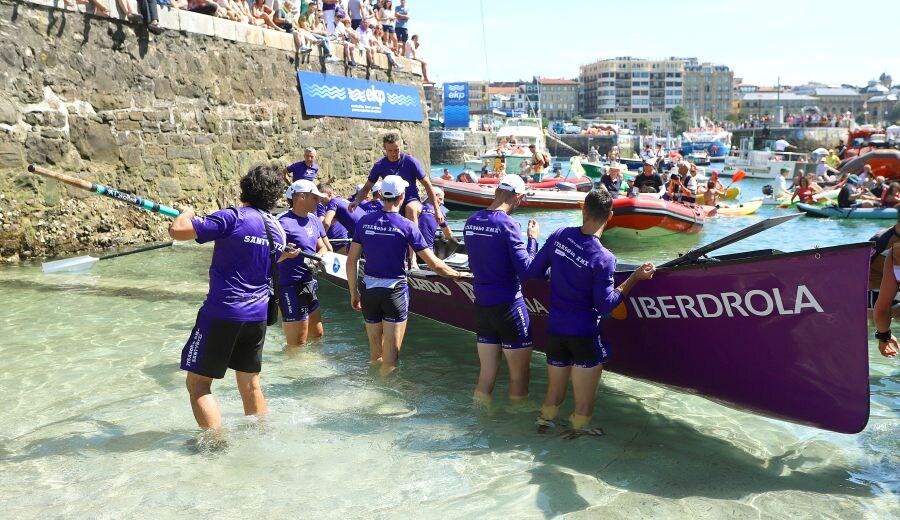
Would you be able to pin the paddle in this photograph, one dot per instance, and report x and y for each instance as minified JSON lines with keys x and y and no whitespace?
{"x":82,"y":263}
{"x":737,"y":177}
{"x":106,"y":191}
{"x":748,"y":231}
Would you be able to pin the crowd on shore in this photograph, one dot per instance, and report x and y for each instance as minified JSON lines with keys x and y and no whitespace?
{"x":807,"y":120}
{"x":367,"y":26}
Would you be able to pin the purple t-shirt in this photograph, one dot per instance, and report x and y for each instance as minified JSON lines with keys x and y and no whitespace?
{"x":385,"y":237}
{"x":342,"y":213}
{"x":498,"y":257}
{"x":299,"y":170}
{"x":304,"y":232}
{"x":428,"y":224}
{"x":581,"y":281}
{"x":336,"y":230}
{"x":407,"y":167}
{"x":370,"y":206}
{"x":239,"y":271}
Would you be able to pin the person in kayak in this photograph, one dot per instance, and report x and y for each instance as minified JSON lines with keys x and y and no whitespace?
{"x":804,"y":193}
{"x":648,"y":181}
{"x":499,"y":260}
{"x":395,"y":162}
{"x":231,"y":325}
{"x":712,"y":194}
{"x":428,"y":224}
{"x":781,"y":188}
{"x":299,"y":301}
{"x":851,"y":197}
{"x":581,"y":291}
{"x":383,"y":297}
{"x":890,"y":282}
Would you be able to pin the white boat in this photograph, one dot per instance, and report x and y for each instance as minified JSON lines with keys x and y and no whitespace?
{"x":764,"y":164}
{"x":513,"y":140}
{"x":713,"y":140}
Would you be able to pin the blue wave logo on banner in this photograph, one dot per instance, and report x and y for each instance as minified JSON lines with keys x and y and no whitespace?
{"x":456,"y":105}
{"x":329,"y":95}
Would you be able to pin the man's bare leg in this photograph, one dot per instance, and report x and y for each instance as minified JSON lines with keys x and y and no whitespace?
{"x":251,"y":393}
{"x":203,"y":402}
{"x":489,"y":358}
{"x":392,"y":342}
{"x":519,"y":362}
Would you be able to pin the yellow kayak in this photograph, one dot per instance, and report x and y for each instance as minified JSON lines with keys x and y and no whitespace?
{"x":730,"y":194}
{"x":734,"y":210}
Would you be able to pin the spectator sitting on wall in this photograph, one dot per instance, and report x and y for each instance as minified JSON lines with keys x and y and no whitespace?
{"x":264,"y":15}
{"x":228,"y":10}
{"x":196,"y":6}
{"x":99,"y":8}
{"x":351,"y":41}
{"x":376,"y":43}
{"x":412,"y":53}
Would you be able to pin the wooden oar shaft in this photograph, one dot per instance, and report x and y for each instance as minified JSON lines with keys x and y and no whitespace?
{"x":106,"y":191}
{"x":138,"y":250}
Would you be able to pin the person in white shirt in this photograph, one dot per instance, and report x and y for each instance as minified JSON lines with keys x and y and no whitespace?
{"x":781,"y":189}
{"x":412,"y":53}
{"x":822,"y":171}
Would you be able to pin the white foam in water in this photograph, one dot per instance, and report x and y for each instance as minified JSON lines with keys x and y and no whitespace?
{"x":97,"y":421}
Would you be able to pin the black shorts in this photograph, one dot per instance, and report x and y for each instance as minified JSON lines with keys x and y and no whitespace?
{"x":299,"y":300}
{"x":402,"y":34}
{"x":385,"y":304}
{"x":354,"y":24}
{"x":506,"y":324}
{"x":216,"y":345}
{"x":388,"y":28}
{"x":406,"y":201}
{"x":581,"y":351}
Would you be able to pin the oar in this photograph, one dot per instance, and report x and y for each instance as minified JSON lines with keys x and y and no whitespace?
{"x":738,"y":177}
{"x":106,"y":191}
{"x":82,"y":263}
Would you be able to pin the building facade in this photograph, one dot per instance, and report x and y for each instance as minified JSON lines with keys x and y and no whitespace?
{"x":479,"y":100}
{"x":628,"y":89}
{"x":557,"y":98}
{"x":708,"y":90}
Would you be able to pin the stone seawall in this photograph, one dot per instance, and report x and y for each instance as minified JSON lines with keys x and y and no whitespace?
{"x":176,"y":118}
{"x":446,"y":148}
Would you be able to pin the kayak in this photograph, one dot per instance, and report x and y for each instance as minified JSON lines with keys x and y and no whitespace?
{"x":650,"y":216}
{"x":836,"y":212}
{"x":797,"y":345}
{"x":734,"y":210}
{"x":731,"y":193}
{"x":581,"y":183}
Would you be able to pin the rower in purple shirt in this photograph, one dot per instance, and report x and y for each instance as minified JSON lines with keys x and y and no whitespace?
{"x":376,"y":203}
{"x":337,"y":234}
{"x":231,"y":325}
{"x":299,"y":301}
{"x":499,"y":259}
{"x":581,"y":291}
{"x":395,"y":162}
{"x":305,"y":169}
{"x":383,"y":296}
{"x":428,"y":224}
{"x":339,"y":208}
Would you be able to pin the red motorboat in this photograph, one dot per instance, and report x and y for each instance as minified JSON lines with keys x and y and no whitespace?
{"x":580,"y":183}
{"x":884,"y":162}
{"x":470,"y":195}
{"x":649,"y":216}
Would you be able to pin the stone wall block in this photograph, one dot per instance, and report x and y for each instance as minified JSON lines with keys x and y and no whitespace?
{"x":131,"y":157}
{"x":162,"y":89}
{"x":94,"y":141}
{"x":168,"y":18}
{"x":45,"y":151}
{"x":9,"y":112}
{"x":182,"y":152}
{"x":169,"y":188}
{"x":11,"y":155}
{"x":196,"y":23}
{"x":225,"y":29}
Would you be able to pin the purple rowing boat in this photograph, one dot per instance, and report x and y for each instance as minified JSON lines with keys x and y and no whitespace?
{"x":782,"y":335}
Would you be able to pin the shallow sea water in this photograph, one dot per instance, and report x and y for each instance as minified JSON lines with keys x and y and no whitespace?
{"x":97,"y":423}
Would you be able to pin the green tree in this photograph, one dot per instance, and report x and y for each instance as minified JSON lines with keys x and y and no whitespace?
{"x":679,"y":118}
{"x":545,"y":122}
{"x":894,"y":114}
{"x":644,"y":126}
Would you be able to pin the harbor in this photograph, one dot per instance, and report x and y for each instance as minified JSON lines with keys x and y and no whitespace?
{"x":628,"y":286}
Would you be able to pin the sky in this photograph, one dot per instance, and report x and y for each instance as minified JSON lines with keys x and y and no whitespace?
{"x":760,"y":40}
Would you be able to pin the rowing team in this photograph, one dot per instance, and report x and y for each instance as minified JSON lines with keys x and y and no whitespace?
{"x":230,"y":328}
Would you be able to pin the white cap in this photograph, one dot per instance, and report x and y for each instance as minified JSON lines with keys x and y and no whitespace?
{"x":356,"y":190}
{"x":512,"y":183}
{"x":302,"y":186}
{"x":615,"y":166}
{"x":376,"y":187}
{"x":392,"y":186}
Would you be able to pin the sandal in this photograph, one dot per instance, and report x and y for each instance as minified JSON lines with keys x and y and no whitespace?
{"x":590,"y":432}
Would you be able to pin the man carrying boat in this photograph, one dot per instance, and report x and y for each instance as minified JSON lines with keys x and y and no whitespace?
{"x":340,"y":208}
{"x":499,"y":260}
{"x":581,"y":291}
{"x":299,"y":301}
{"x":383,"y":297}
{"x":395,"y":162}
{"x":231,"y":325}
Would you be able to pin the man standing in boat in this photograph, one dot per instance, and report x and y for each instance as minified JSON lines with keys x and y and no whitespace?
{"x":395,"y":162}
{"x":537,"y":161}
{"x":648,"y":181}
{"x":581,"y":291}
{"x":499,"y":260}
{"x":383,"y":297}
{"x":231,"y":325}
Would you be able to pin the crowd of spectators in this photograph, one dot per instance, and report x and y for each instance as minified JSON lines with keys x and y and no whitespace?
{"x":801,"y":120}
{"x":367,"y":26}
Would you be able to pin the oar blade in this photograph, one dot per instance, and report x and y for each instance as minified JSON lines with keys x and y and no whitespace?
{"x":81,"y":263}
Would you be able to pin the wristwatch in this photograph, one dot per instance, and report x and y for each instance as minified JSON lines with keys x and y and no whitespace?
{"x":883,"y":336}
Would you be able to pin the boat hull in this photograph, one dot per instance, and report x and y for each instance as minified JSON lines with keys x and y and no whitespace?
{"x":784,"y":335}
{"x":735,"y":210}
{"x":467,"y":196}
{"x":731,"y":193}
{"x":885,"y":163}
{"x":650,"y":217}
{"x":852,"y":213}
